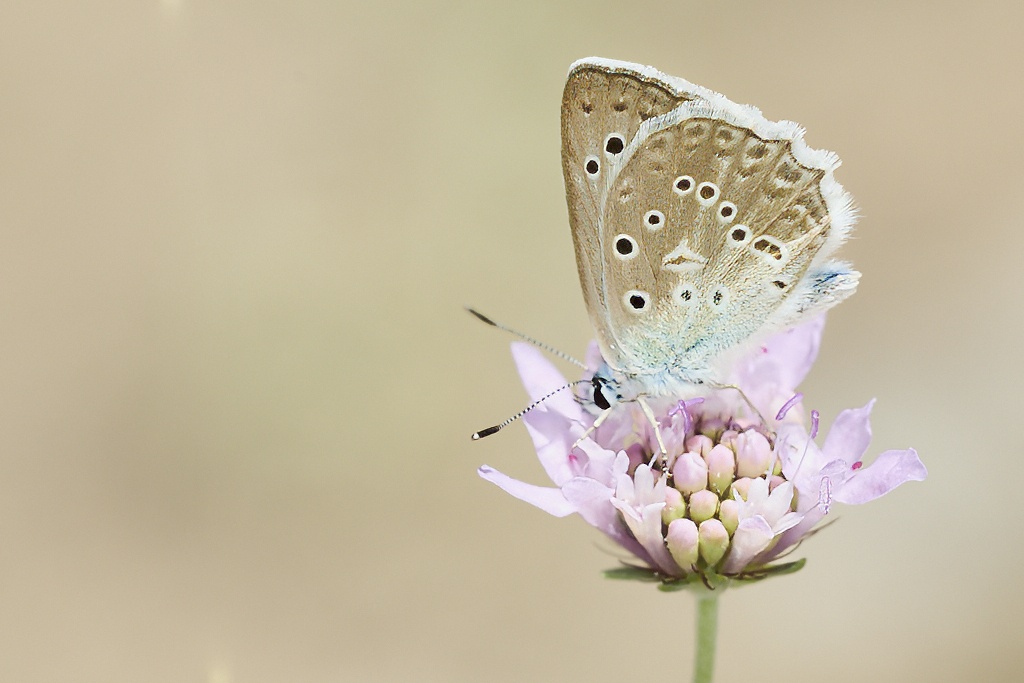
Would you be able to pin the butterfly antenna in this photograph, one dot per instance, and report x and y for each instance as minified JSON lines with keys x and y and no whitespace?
{"x":550,"y":349}
{"x":498,"y":427}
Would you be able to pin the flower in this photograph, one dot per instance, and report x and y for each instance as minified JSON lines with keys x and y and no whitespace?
{"x":735,"y":491}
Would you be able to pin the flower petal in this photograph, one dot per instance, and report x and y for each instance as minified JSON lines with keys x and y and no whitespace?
{"x":593,"y":500}
{"x":801,"y":457}
{"x":795,"y":351}
{"x":794,"y":534}
{"x":850,"y":435}
{"x":752,"y":536}
{"x":776,"y":507}
{"x":783,"y":359}
{"x":602,"y":464}
{"x":548,"y":499}
{"x":540,"y":378}
{"x":888,"y":471}
{"x":553,"y":436}
{"x":645,"y":523}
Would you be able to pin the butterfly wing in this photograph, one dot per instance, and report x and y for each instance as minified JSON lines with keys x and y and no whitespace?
{"x":711,"y":226}
{"x":604,"y":105}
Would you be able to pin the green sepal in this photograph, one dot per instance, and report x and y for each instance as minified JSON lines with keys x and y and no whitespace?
{"x":713,"y":580}
{"x":631,"y":573}
{"x":762,"y":573}
{"x":705,"y":579}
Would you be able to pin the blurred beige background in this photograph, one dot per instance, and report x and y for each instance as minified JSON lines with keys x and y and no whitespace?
{"x":238,"y":384}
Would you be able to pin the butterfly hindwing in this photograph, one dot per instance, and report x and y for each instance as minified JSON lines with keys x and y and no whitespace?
{"x":709,"y":227}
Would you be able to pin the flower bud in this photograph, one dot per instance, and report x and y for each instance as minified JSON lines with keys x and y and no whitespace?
{"x":699,"y":444}
{"x":713,"y":541}
{"x":742,"y":486}
{"x":721,"y":468}
{"x":729,"y":513}
{"x":690,"y":473}
{"x":703,"y":505}
{"x":714,"y":425}
{"x":675,"y":507}
{"x":753,"y":454}
{"x":728,"y":438}
{"x":683,"y":543}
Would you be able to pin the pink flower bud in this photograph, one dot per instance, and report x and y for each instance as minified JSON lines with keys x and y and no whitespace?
{"x":683,"y":544}
{"x":703,"y":505}
{"x":690,"y":473}
{"x":729,"y":513}
{"x":675,"y":507}
{"x":742,"y":486}
{"x":728,"y":437}
{"x":699,"y":444}
{"x":753,"y":454}
{"x":721,"y":468}
{"x":713,"y":541}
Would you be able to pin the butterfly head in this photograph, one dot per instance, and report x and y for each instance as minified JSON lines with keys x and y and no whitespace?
{"x":610,"y":387}
{"x":604,"y":390}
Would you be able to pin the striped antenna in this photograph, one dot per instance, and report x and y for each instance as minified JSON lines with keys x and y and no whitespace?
{"x":539,"y":344}
{"x":498,"y":427}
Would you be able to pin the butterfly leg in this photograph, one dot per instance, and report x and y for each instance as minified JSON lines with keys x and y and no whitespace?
{"x":649,"y":414}
{"x":597,"y":423}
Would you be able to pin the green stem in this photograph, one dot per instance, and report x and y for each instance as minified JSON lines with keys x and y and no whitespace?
{"x":707,"y":632}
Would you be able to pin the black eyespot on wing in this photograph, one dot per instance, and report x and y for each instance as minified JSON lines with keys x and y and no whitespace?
{"x":768,"y":247}
{"x":636,"y":301}
{"x":593,"y":167}
{"x":654,"y":219}
{"x":624,"y":246}
{"x":683,"y":184}
{"x":615,"y":144}
{"x":684,"y":295}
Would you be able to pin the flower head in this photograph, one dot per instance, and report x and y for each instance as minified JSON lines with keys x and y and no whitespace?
{"x":734,"y":492}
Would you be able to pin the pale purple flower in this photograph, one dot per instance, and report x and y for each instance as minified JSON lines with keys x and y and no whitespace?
{"x":734,"y":494}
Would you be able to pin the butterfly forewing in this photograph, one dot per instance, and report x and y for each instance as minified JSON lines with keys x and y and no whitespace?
{"x":603,"y":106}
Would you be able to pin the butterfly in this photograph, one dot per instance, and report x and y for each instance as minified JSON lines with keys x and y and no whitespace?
{"x":699,"y":227}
